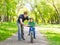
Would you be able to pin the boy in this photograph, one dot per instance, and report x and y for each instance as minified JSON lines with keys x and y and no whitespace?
{"x":32,"y":26}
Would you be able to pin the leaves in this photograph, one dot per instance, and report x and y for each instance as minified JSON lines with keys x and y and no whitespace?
{"x":45,"y":10}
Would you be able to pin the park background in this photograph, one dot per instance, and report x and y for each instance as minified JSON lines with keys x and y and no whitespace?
{"x":46,"y":14}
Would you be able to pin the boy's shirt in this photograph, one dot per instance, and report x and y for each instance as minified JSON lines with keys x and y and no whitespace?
{"x":32,"y":24}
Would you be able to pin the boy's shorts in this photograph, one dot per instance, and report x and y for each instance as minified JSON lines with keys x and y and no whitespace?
{"x":32,"y":29}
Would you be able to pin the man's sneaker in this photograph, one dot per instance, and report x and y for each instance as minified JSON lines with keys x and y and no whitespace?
{"x":34,"y":38}
{"x":19,"y":39}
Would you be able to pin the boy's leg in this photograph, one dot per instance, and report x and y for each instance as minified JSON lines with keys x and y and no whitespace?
{"x":19,"y":31}
{"x":34,"y":33}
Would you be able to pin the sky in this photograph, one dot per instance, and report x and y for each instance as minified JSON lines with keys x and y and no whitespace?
{"x":28,"y":6}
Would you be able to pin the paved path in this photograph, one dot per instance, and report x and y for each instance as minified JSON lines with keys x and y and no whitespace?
{"x":40,"y":39}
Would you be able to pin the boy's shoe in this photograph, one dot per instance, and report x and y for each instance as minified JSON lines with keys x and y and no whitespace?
{"x":23,"y":38}
{"x":28,"y":34}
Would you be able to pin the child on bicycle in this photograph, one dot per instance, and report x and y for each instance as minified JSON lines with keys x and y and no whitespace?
{"x":32,"y":26}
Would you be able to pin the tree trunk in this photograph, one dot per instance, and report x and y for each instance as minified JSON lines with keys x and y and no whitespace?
{"x":2,"y":18}
{"x":36,"y":19}
{"x":41,"y":16}
{"x":56,"y":12}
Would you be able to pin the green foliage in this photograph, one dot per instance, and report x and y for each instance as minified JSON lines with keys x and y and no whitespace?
{"x":43,"y":11}
{"x":7,"y":7}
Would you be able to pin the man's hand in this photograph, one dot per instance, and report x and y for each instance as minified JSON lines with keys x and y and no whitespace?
{"x":22,"y":24}
{"x":27,"y":25}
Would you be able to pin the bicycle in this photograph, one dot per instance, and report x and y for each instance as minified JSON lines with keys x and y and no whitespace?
{"x":31,"y":34}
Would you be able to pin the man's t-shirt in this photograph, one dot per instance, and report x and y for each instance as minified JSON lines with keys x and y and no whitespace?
{"x":22,"y":17}
{"x":32,"y":24}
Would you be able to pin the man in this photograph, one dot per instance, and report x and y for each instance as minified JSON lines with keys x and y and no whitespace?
{"x":20,"y":22}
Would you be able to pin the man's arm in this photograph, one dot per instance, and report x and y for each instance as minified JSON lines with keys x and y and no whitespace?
{"x":21,"y":21}
{"x":27,"y":18}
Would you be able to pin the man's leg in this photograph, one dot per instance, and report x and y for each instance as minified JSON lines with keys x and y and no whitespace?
{"x":29,"y":31}
{"x":22,"y":32}
{"x":19,"y":31}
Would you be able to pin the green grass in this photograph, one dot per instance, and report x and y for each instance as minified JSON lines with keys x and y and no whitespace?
{"x":53,"y":36}
{"x":49,"y":25}
{"x":7,"y":29}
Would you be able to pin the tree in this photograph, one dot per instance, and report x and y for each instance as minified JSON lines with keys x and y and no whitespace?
{"x":54,"y":4}
{"x":7,"y":8}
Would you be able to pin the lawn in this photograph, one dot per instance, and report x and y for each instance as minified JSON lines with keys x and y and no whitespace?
{"x":49,"y":25}
{"x":7,"y":29}
{"x":53,"y":36}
